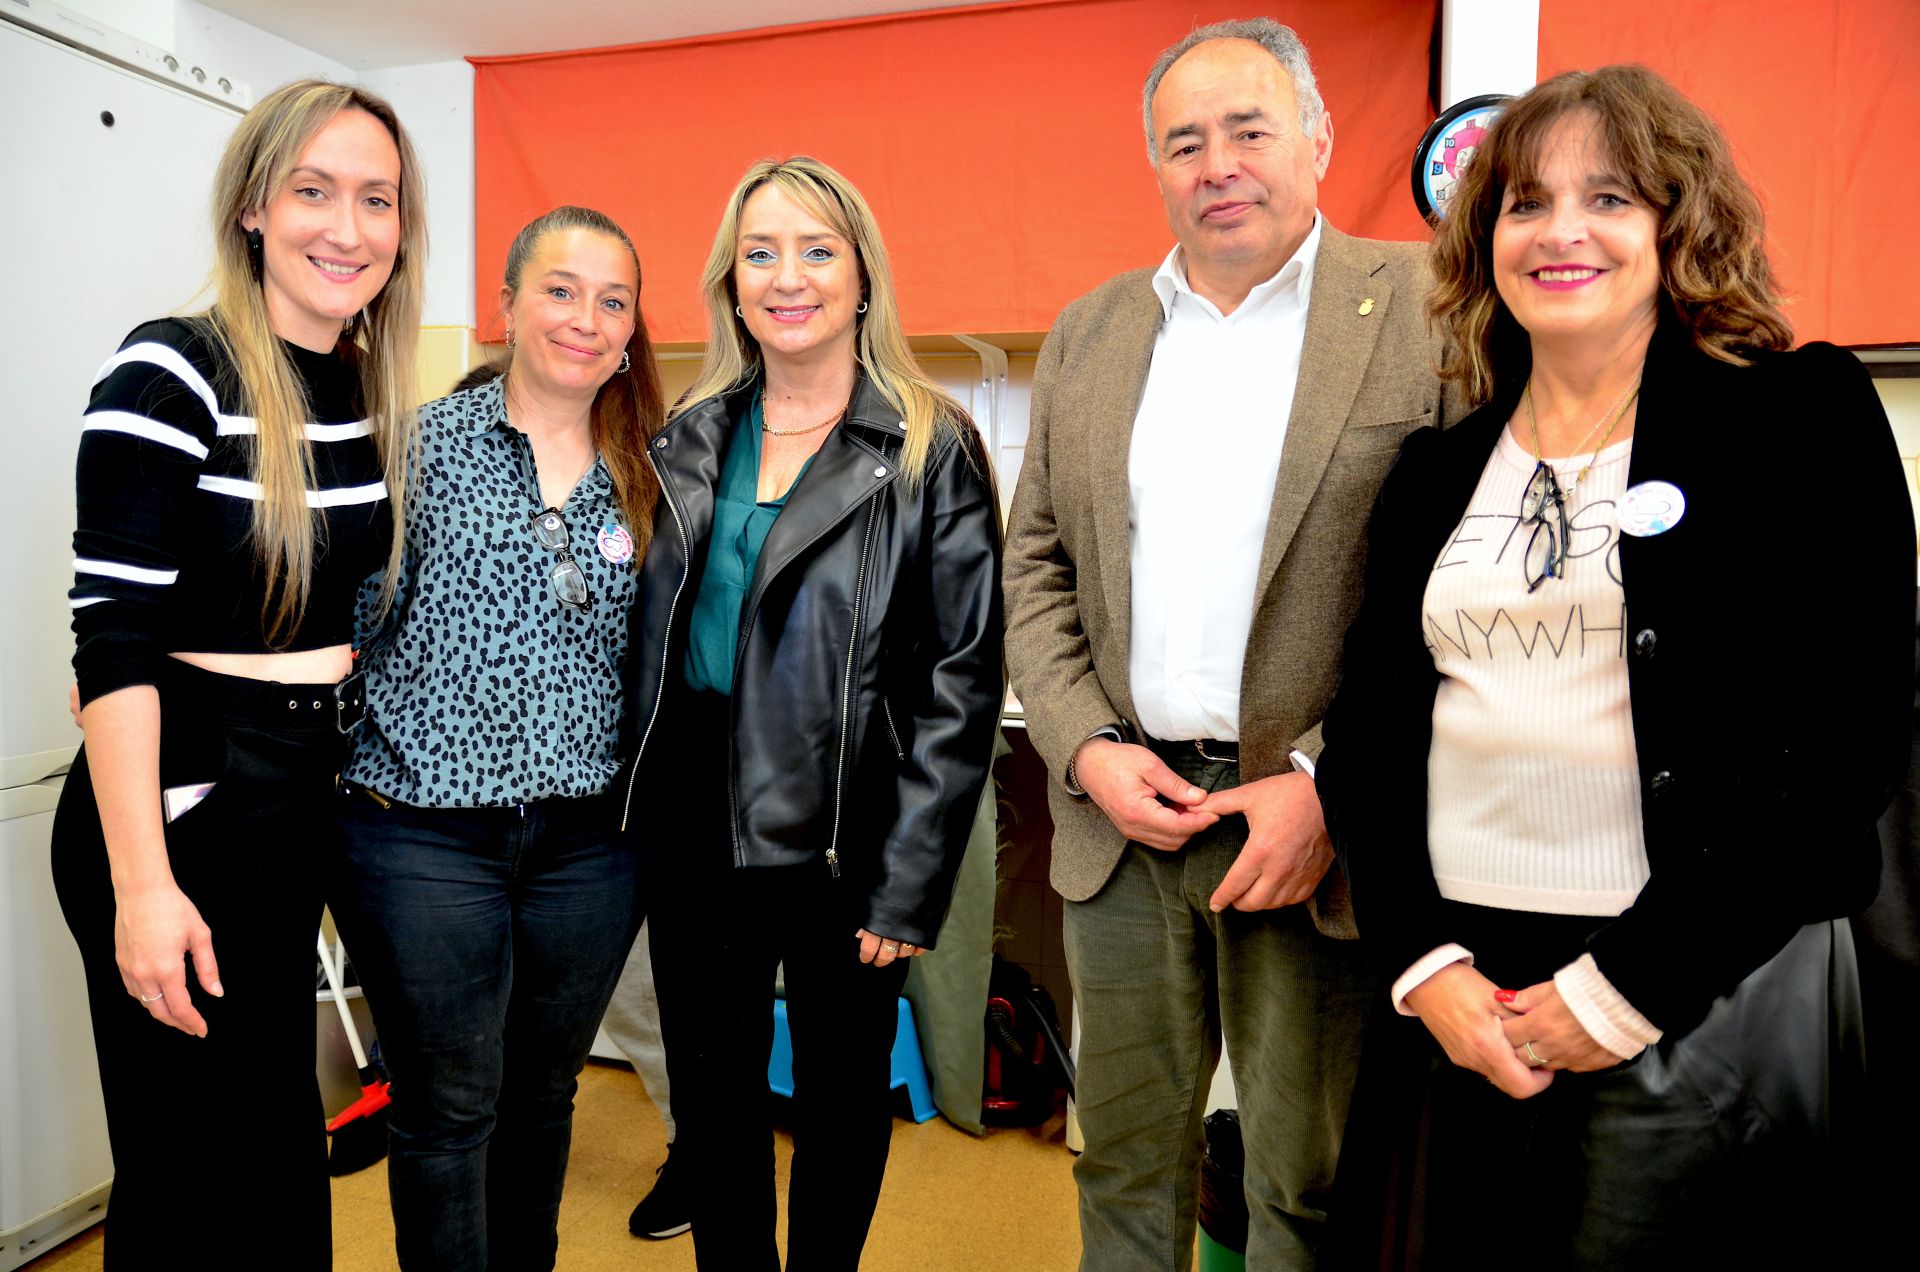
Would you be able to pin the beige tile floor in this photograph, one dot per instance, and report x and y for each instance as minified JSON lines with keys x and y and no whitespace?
{"x":952,"y":1202}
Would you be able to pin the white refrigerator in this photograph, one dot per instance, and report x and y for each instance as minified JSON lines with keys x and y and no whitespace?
{"x":104,"y":224}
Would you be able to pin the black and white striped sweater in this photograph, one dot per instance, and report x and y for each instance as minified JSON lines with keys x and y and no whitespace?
{"x":163,"y":556}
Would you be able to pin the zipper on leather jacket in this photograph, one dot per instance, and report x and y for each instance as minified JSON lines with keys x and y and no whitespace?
{"x":686,"y":568}
{"x":733,"y":799}
{"x":846,"y":687}
{"x":886,"y":707}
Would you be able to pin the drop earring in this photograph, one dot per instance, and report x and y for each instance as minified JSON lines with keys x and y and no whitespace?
{"x":257,"y":252}
{"x":509,"y":336}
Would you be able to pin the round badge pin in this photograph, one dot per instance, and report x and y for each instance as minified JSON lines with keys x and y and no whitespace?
{"x":615,"y":544}
{"x":1445,"y":149}
{"x":1650,"y":508}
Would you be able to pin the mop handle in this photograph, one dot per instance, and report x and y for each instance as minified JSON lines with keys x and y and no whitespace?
{"x":340,"y":1001}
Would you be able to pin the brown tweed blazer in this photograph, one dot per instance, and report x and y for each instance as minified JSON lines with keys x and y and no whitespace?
{"x":1367,"y":379}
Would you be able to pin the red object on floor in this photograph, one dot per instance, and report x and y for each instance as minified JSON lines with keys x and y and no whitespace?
{"x":372,"y":1099}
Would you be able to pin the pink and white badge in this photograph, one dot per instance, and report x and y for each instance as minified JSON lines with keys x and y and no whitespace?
{"x":615,"y":544}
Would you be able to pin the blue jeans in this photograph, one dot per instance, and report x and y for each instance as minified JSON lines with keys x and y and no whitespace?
{"x":489,"y":941}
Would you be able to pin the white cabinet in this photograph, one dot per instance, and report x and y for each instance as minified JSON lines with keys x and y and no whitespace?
{"x":55,"y":1169}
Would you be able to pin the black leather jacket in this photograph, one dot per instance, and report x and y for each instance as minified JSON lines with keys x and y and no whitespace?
{"x":868,"y":679}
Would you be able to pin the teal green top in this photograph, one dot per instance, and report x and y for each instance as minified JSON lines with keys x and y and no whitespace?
{"x":740,"y":526}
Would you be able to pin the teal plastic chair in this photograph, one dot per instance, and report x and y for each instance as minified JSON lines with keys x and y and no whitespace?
{"x":909,"y":1066}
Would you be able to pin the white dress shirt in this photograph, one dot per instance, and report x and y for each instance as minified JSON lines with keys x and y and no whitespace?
{"x":1200,"y":474}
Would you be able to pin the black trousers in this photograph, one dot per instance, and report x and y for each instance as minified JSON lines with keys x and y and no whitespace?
{"x":1712,"y":1148}
{"x":719,"y":933}
{"x":228,"y":1126}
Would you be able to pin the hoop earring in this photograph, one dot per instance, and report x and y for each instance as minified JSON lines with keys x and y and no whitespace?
{"x":626,"y":361}
{"x":737,"y":313}
{"x":860,"y":308}
{"x":509,"y":337}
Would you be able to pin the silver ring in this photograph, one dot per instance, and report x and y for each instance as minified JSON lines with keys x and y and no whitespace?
{"x":156,"y":998}
{"x":1534,"y":1058}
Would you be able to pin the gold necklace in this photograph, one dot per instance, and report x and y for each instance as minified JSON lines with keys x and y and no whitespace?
{"x":1618,"y":411}
{"x":770,"y":431}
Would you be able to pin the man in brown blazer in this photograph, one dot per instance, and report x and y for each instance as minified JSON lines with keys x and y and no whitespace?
{"x":1184,"y":553}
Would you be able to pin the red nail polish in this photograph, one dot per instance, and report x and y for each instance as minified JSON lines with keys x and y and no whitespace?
{"x":1504,"y":995}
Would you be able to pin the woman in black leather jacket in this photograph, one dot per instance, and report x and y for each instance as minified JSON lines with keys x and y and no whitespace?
{"x":816,"y":672}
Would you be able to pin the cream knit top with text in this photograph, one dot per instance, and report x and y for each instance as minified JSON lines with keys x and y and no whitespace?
{"x":1534,"y":796}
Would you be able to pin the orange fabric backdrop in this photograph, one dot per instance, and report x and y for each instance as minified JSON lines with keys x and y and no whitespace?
{"x":1001,"y":147}
{"x":1821,"y":101}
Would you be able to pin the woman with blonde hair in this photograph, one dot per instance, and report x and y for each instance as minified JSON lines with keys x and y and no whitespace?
{"x":816,"y":683}
{"x":1603,"y":827}
{"x":240,"y":474}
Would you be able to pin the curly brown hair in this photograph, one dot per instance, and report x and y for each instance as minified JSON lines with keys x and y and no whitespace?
{"x":1714,"y":275}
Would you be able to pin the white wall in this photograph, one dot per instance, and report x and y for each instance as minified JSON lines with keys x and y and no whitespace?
{"x":206,"y":37}
{"x":435,"y":102}
{"x":150,"y":21}
{"x":200,"y":36}
{"x":1488,"y":46}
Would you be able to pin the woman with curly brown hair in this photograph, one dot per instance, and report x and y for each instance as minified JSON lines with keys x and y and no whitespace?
{"x":1629,"y":809}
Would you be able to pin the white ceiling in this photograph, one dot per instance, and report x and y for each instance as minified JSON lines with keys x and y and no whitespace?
{"x":370,"y":34}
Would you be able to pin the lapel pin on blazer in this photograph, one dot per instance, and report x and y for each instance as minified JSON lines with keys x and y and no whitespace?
{"x":1650,"y":508}
{"x":1366,"y":307}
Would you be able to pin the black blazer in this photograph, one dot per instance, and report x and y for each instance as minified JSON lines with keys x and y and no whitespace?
{"x":1770,"y":660}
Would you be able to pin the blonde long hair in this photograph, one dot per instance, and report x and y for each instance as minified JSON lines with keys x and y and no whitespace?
{"x":733,"y":356}
{"x":258,"y":160}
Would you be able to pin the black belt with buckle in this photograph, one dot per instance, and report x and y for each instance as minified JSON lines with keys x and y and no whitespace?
{"x":1212,"y":749}
{"x":350,"y":702}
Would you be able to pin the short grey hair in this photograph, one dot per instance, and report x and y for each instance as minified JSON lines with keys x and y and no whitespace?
{"x":1270,"y":35}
